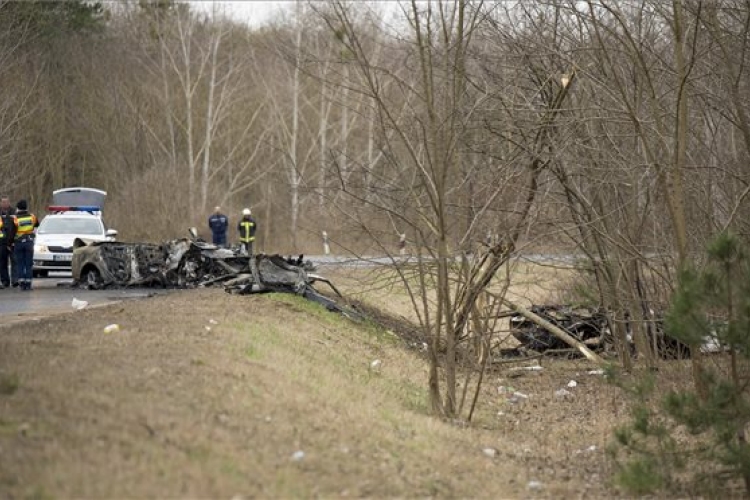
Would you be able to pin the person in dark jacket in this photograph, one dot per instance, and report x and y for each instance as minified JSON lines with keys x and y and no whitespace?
{"x":7,"y":212}
{"x":24,"y":224}
{"x":218,"y":223}
{"x":247,"y":227}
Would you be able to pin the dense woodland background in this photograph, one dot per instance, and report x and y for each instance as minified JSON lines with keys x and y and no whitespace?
{"x":173,"y":111}
{"x":613,"y":133}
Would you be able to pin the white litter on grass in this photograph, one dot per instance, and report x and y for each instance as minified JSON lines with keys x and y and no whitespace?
{"x":596,"y":372}
{"x":213,"y":322}
{"x":376,"y":364}
{"x":562,"y":393}
{"x":572,"y":384}
{"x":112,"y":328}
{"x":517,"y":397}
{"x":208,"y":328}
{"x":535,"y":368}
{"x":298,"y":455}
{"x":79,"y":304}
{"x":513,"y":395}
{"x":590,"y":449}
{"x":535,"y":485}
{"x":490,"y":452}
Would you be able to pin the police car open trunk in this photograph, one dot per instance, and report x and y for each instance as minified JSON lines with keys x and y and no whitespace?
{"x":79,"y":196}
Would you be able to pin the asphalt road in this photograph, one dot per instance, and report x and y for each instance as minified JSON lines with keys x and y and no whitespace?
{"x":54,"y":295}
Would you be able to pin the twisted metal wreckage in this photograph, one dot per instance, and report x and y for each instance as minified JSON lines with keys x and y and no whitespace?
{"x":591,"y":327}
{"x":191,"y":262}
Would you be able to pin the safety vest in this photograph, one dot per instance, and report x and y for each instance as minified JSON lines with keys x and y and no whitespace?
{"x":25,"y":225}
{"x":246,"y":226}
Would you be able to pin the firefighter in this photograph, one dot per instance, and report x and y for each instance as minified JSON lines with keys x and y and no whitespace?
{"x":247,"y":227}
{"x":24,"y":225}
{"x":218,"y":223}
{"x":7,"y":227}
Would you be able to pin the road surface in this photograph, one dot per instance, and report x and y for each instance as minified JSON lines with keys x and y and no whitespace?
{"x":54,"y":295}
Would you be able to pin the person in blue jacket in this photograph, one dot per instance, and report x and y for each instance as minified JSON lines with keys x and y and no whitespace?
{"x":218,"y":223}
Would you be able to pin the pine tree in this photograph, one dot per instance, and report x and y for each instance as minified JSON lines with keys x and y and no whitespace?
{"x":705,"y":436}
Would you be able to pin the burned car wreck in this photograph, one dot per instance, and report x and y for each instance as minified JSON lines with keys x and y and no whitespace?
{"x":586,"y":325}
{"x":589,"y":326}
{"x":177,"y":263}
{"x":190,"y":263}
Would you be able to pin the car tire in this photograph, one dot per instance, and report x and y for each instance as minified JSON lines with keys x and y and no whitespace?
{"x":92,"y":279}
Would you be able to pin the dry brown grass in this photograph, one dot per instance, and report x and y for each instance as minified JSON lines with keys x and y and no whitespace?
{"x":165,"y":408}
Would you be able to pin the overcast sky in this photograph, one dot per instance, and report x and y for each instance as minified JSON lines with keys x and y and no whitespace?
{"x":259,"y":12}
{"x":254,"y":12}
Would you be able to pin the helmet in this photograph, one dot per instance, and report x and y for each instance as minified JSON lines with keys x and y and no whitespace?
{"x":246,"y":211}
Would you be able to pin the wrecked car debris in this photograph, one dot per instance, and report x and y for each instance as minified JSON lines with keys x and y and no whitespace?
{"x":191,"y":262}
{"x":586,"y":325}
{"x":183,"y":262}
{"x":589,"y":326}
{"x":273,"y":273}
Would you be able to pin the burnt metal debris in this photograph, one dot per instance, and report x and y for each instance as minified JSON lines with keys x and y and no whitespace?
{"x":190,"y":263}
{"x":590,"y":326}
{"x":584,"y":324}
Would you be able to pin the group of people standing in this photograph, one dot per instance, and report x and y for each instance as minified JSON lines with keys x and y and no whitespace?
{"x":219,"y":224}
{"x":17,"y":232}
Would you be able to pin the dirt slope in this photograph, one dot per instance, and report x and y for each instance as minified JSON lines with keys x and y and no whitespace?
{"x":167,"y":408}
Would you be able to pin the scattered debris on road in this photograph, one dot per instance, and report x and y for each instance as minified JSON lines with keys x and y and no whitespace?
{"x":79,"y":304}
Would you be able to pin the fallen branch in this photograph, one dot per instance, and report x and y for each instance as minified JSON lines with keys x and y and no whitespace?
{"x":556,"y":331}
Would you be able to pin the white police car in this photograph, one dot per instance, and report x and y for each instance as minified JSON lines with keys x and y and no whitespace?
{"x":75,"y":213}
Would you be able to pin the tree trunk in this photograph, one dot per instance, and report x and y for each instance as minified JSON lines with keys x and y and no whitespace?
{"x":209,"y":123}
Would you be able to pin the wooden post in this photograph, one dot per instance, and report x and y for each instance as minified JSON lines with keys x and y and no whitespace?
{"x":326,"y":246}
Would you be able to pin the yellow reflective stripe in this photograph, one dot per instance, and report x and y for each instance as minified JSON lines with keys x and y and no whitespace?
{"x":24,"y":225}
{"x":247,"y":226}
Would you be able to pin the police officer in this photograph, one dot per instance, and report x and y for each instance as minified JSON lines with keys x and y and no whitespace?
{"x":247,"y":228}
{"x":218,"y":223}
{"x":7,"y":233}
{"x":25,"y":223}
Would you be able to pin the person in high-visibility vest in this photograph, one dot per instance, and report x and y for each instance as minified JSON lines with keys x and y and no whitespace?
{"x":25,"y":225}
{"x":247,"y":227}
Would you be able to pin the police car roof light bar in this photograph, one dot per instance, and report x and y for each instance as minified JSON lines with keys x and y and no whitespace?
{"x":80,"y":208}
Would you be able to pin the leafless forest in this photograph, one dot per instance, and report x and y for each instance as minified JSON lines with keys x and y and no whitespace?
{"x":613,"y":132}
{"x":611,"y":128}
